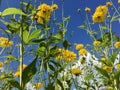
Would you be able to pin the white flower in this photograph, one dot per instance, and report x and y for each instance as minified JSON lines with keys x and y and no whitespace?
{"x":30,"y":86}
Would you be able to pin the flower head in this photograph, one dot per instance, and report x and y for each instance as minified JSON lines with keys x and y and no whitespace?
{"x":118,"y":1}
{"x":109,"y":3}
{"x":98,"y":17}
{"x":5,"y":42}
{"x":54,"y":7}
{"x":38,"y":85}
{"x":103,"y":59}
{"x":79,"y":46}
{"x":87,"y":9}
{"x":1,"y":64}
{"x":68,"y":55}
{"x":83,"y":52}
{"x":107,"y":68}
{"x":76,"y":71}
{"x":44,"y":12}
{"x":96,"y":43}
{"x":118,"y":66}
{"x":117,"y":44}
{"x":103,"y":9}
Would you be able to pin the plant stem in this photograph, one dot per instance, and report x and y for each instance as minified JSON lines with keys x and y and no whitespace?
{"x":21,"y":47}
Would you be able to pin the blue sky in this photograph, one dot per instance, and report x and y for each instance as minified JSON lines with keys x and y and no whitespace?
{"x":70,"y":9}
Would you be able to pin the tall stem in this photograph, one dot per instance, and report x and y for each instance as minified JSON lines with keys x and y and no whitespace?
{"x":21,"y":47}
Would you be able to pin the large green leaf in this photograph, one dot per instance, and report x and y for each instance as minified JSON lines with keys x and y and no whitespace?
{"x":29,"y":71}
{"x":10,"y":11}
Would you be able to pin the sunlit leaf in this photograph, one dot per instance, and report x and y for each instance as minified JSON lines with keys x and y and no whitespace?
{"x":34,"y":34}
{"x":25,"y":36}
{"x":10,"y":11}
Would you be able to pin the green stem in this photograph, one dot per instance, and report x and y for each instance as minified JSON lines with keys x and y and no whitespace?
{"x":21,"y":47}
{"x":110,"y":28}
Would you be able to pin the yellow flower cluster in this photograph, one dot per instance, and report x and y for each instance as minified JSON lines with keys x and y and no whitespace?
{"x":4,"y":42}
{"x":117,"y":44}
{"x":100,"y":14}
{"x":96,"y":43}
{"x":79,"y":46}
{"x":17,"y":74}
{"x":107,"y":68}
{"x":87,"y":9}
{"x":1,"y":64}
{"x":66,"y":55}
{"x":83,"y":52}
{"x":38,"y":85}
{"x":76,"y":71}
{"x":44,"y":12}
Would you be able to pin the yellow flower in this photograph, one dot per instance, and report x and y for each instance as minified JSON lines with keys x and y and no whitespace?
{"x":79,"y":46}
{"x":118,"y":1}
{"x":87,"y":9}
{"x":117,"y":44}
{"x":59,"y":57}
{"x":24,"y":66}
{"x":54,"y":7}
{"x":17,"y":74}
{"x":68,"y":55}
{"x":107,"y":68}
{"x":76,"y":71}
{"x":109,"y":3}
{"x":38,"y":85}
{"x":96,"y":43}
{"x":4,"y":42}
{"x":118,"y":66}
{"x":103,"y":59}
{"x":98,"y":17}
{"x":103,"y":9}
{"x":1,"y":64}
{"x":44,"y":12}
{"x":83,"y":52}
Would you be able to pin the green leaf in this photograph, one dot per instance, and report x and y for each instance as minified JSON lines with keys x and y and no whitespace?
{"x":57,"y":36}
{"x":66,"y":44}
{"x":34,"y":34}
{"x":113,"y":56}
{"x":14,"y":83}
{"x":29,"y":71}
{"x":104,"y":27}
{"x":60,"y":83}
{"x":102,"y":71}
{"x":10,"y":11}
{"x":50,"y":86}
{"x":11,"y":57}
{"x":82,"y":26}
{"x":115,"y":18}
{"x":25,"y":36}
{"x":117,"y":75}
